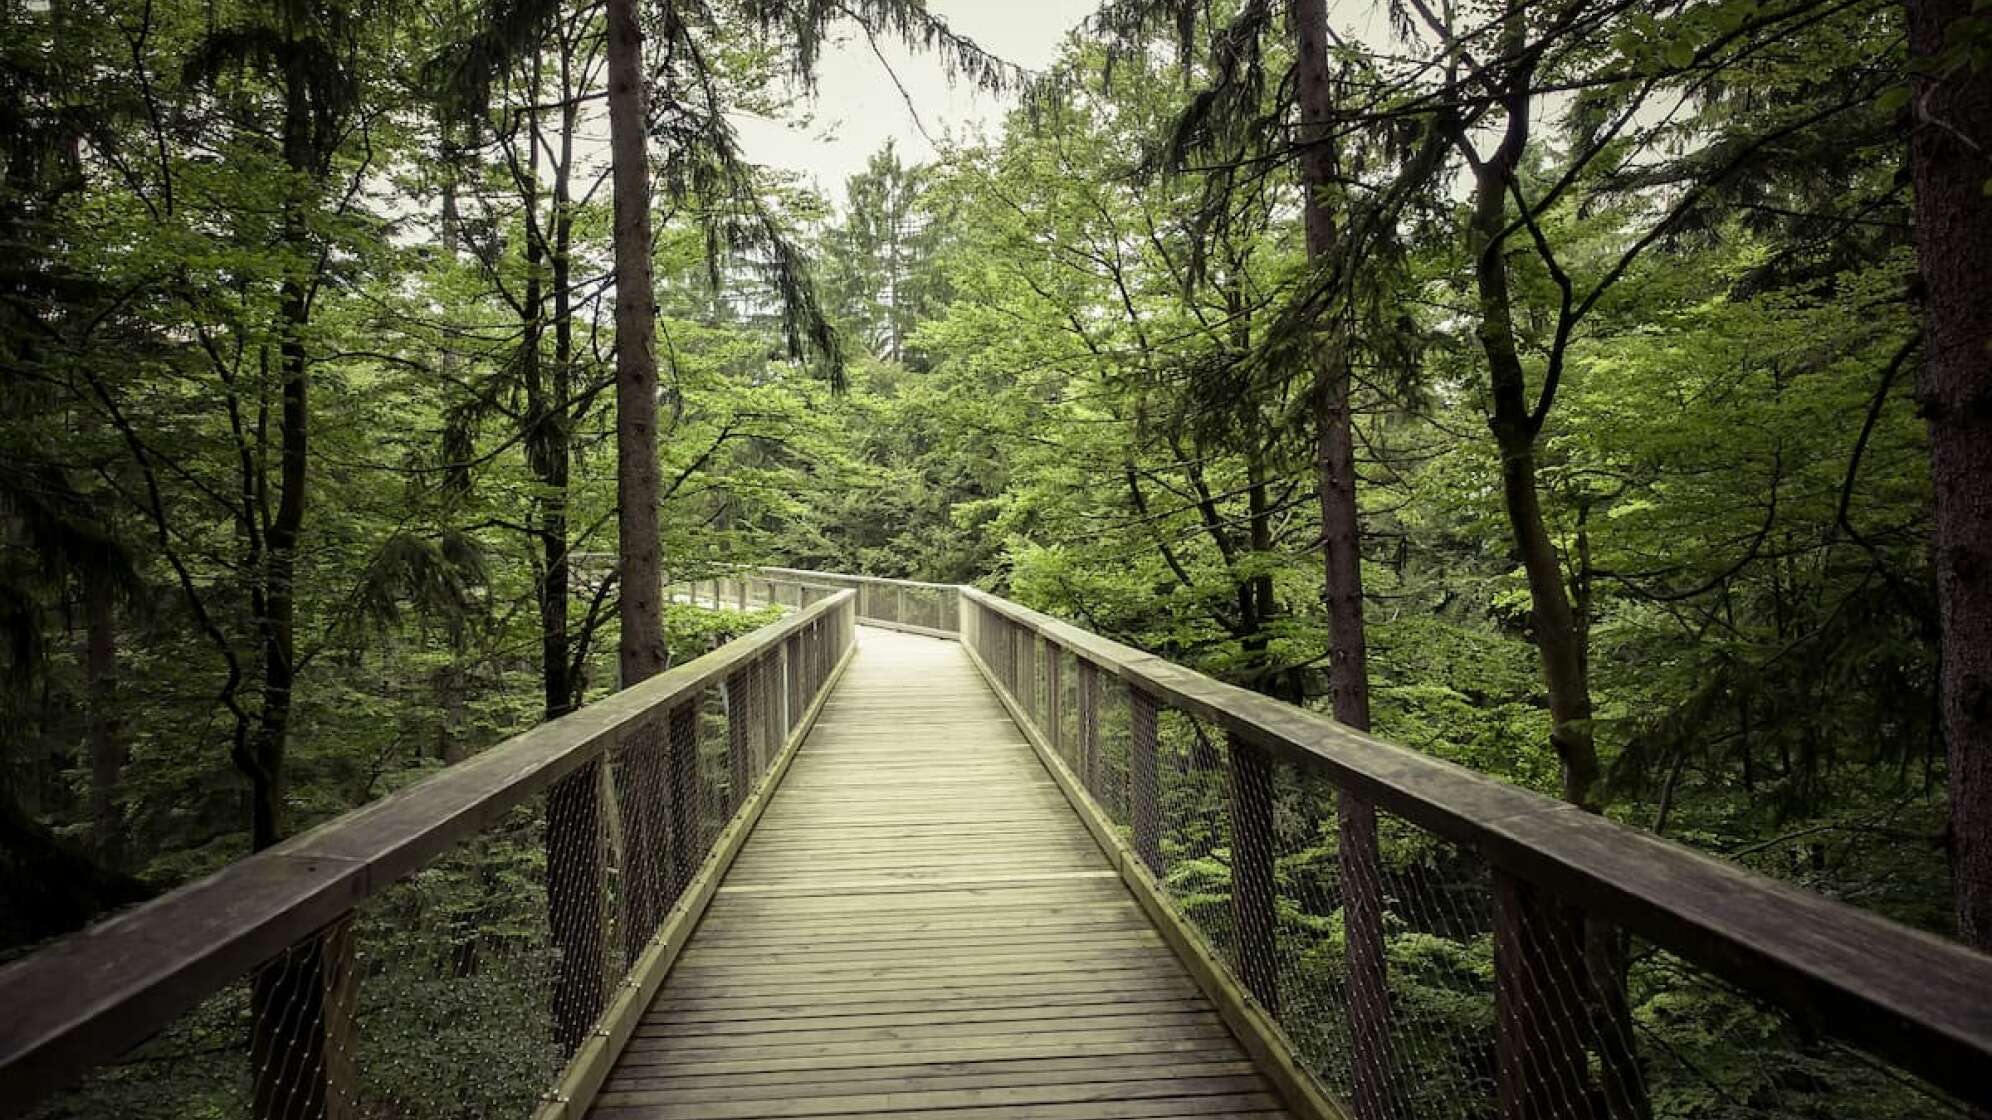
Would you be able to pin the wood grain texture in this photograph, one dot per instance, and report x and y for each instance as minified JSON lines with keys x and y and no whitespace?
{"x":920,"y":926}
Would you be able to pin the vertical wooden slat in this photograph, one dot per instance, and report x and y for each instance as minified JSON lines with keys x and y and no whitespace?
{"x":1252,"y":885}
{"x":1089,"y":726}
{"x":792,"y":659}
{"x":1143,"y":780}
{"x":769,"y":697}
{"x":1542,"y":1069}
{"x":1054,"y":709}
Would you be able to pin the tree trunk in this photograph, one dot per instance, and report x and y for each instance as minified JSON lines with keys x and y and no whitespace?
{"x":1559,"y":637}
{"x":107,"y":742}
{"x":1359,"y":862}
{"x":1591,"y":951}
{"x":640,"y":651}
{"x":302,"y":1044}
{"x":1951,"y":150}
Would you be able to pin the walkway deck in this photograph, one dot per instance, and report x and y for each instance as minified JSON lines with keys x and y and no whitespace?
{"x":920,"y":937}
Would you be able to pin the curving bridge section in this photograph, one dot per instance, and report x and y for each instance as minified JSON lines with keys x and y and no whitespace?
{"x":915,"y":851}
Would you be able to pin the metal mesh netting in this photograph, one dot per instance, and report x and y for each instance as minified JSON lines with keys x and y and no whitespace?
{"x":463,"y":989}
{"x":1410,"y":977}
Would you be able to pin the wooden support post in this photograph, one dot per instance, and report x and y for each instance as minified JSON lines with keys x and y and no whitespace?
{"x":768,"y":705}
{"x":687,"y":829}
{"x":1144,"y":779}
{"x":740,"y":768}
{"x":1540,"y":1013}
{"x":1089,"y":727}
{"x":574,"y":902}
{"x":1012,"y":638}
{"x":740,"y":592}
{"x":303,"y":1035}
{"x":1054,"y":709}
{"x":1027,"y":682}
{"x":792,"y":661}
{"x":1253,"y":890}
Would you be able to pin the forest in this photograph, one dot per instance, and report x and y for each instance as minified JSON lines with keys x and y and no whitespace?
{"x":1593,"y":393}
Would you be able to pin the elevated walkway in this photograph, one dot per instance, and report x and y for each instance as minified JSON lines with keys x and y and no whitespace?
{"x":920,"y":925}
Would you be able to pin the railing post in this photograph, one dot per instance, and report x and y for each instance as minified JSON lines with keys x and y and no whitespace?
{"x":1010,"y":641}
{"x":303,"y":1038}
{"x":1089,"y":726}
{"x":792,"y":658}
{"x":574,"y":902}
{"x":1054,"y":721}
{"x":1253,"y":912}
{"x":1027,"y":683}
{"x":683,"y":799}
{"x":739,"y":741}
{"x":899,"y":603}
{"x":769,"y":689}
{"x":1542,"y":1069}
{"x":1144,"y":796}
{"x":740,"y":592}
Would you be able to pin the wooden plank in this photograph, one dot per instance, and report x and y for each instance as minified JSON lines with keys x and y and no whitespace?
{"x":670,"y":1105}
{"x":961,"y":1075}
{"x":1226,"y":1105}
{"x":1181,"y":1049}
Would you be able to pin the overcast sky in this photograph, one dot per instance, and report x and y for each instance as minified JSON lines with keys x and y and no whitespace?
{"x":858,"y":107}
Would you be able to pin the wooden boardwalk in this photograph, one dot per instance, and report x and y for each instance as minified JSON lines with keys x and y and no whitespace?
{"x":921,"y":927}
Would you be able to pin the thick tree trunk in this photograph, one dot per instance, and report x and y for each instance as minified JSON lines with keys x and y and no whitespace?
{"x":107,"y":742}
{"x":641,"y":651}
{"x":1342,"y":582}
{"x":545,"y":442}
{"x":1951,"y":150}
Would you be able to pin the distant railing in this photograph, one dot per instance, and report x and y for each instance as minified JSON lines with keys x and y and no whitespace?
{"x":900,"y":604}
{"x":478,"y":944}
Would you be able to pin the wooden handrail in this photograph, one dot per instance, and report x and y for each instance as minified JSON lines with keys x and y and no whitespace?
{"x":1919,"y":1000}
{"x":91,"y":996}
{"x":804,"y":573}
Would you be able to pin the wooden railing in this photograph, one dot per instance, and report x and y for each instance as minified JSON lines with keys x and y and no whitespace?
{"x":900,"y":604}
{"x":1570,"y":898}
{"x":552,"y":877}
{"x":1567,"y":898}
{"x":633,"y":807}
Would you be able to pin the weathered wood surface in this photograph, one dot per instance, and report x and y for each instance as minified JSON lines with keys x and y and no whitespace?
{"x":921,"y":926}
